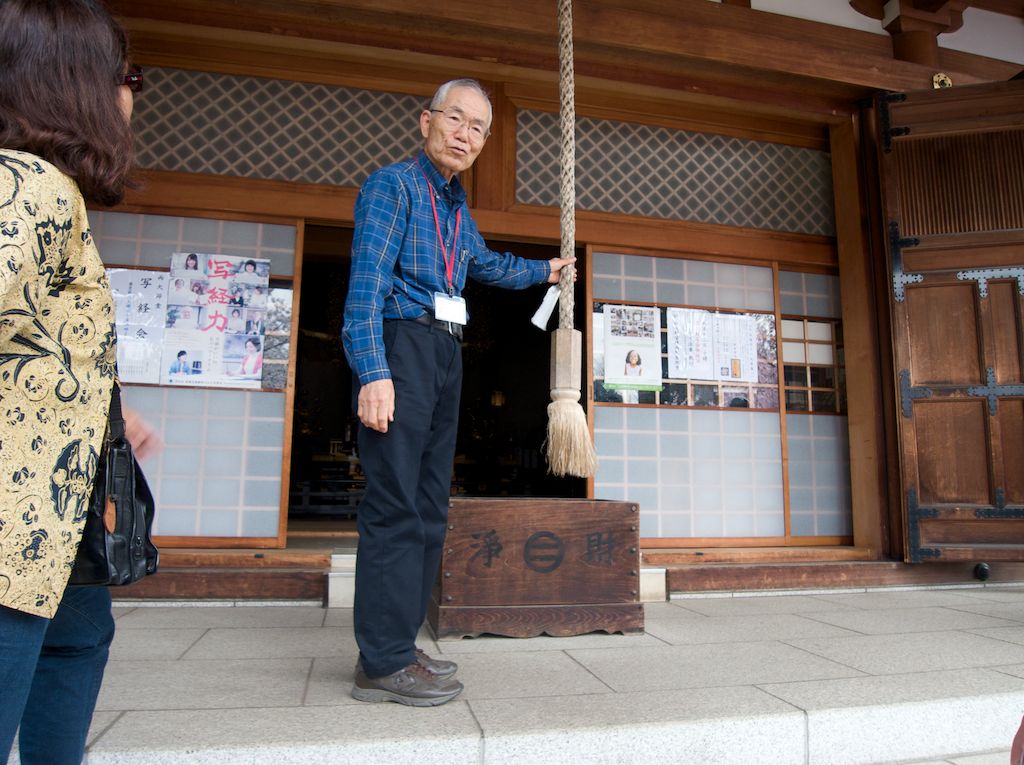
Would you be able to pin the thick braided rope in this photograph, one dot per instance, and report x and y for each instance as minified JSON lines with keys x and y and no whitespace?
{"x":567,"y":160}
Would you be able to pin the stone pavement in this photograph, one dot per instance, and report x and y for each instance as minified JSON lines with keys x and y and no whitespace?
{"x":866,"y":676}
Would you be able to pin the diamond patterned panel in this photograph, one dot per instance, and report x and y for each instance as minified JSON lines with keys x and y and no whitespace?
{"x":633,"y":169}
{"x":199,"y":122}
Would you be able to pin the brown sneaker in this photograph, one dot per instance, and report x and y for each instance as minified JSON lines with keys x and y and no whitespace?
{"x":439,"y":668}
{"x":413,"y":686}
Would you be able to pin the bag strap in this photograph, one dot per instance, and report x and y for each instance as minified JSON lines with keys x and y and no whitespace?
{"x":115,"y":419}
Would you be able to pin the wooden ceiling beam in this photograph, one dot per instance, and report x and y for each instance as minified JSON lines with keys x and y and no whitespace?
{"x":625,"y":74}
{"x":719,"y":48}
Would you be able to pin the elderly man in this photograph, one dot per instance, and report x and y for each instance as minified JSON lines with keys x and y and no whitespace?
{"x":415,"y":243}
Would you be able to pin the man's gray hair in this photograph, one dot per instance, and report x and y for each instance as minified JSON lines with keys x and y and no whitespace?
{"x":442,"y":95}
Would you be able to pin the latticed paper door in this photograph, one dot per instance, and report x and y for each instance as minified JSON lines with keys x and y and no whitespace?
{"x":953,"y":187}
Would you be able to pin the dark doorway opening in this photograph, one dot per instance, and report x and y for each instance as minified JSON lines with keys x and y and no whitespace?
{"x":503,"y":412}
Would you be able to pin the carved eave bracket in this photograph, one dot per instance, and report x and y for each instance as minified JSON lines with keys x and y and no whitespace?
{"x":915,"y":25}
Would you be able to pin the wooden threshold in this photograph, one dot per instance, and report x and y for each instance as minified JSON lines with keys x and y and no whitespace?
{"x":736,"y":577}
{"x":228,"y":584}
{"x":296,"y":572}
{"x":752,"y":555}
{"x":299,"y":572}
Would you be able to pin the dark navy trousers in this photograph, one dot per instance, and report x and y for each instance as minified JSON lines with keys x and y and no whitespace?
{"x":403,"y":516}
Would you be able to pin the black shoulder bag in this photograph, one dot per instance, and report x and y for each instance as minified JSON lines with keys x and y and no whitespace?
{"x":116,"y":546}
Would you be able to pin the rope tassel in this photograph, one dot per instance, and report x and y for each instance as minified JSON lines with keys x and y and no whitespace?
{"x":569,"y":448}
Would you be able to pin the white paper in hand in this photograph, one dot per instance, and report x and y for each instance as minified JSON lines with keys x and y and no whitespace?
{"x":540,"y":319}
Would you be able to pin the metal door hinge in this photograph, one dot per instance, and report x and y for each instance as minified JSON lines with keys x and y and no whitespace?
{"x":982,"y":276}
{"x":885,"y":120}
{"x":897,"y":244}
{"x":908,"y":393}
{"x":914,"y":515}
{"x":1000,"y":510}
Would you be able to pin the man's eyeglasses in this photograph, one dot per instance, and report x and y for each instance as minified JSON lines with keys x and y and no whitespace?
{"x":133,"y":79}
{"x":455,"y":120}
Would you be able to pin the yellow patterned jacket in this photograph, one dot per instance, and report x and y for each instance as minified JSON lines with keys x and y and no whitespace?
{"x":57,"y":364}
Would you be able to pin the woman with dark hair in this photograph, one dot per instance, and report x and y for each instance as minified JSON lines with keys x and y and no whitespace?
{"x":65,"y":100}
{"x":251,"y":364}
{"x":634,"y":367}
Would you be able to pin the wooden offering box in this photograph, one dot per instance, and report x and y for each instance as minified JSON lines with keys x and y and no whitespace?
{"x":525,"y":567}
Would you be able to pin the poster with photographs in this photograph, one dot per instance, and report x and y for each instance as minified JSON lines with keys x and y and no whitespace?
{"x":215,"y":321}
{"x":140,"y":311}
{"x":632,"y":347}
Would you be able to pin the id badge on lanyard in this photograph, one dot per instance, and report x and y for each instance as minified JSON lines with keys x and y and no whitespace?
{"x":450,"y":308}
{"x":447,"y":307}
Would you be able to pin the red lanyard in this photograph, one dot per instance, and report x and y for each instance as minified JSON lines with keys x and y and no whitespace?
{"x":449,"y":264}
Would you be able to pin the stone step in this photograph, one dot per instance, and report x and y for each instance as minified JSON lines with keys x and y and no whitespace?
{"x":778,"y":725}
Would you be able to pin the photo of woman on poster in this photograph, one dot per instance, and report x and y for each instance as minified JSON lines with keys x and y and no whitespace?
{"x":633,"y":365}
{"x":251,"y":272}
{"x":235,"y":323}
{"x":257,"y":298}
{"x":251,"y":364}
{"x":198,"y":292}
{"x":188,"y":265}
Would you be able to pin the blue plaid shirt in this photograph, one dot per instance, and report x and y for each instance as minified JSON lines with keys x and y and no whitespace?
{"x":397,"y":262}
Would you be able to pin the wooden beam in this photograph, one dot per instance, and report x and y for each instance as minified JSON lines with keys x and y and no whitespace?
{"x":628,"y":73}
{"x":799,"y":576}
{"x":189,"y":193}
{"x":677,"y":97}
{"x":289,"y":393}
{"x":709,"y":42}
{"x":860,"y":333}
{"x":192,"y":193}
{"x":234,"y":584}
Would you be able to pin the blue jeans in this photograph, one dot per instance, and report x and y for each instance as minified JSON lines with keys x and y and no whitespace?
{"x":50,"y":672}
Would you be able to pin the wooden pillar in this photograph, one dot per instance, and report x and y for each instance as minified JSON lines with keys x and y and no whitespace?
{"x":916,"y":45}
{"x":916,"y":24}
{"x":860,"y":333}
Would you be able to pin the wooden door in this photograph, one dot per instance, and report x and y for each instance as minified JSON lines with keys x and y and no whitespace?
{"x":952,"y":167}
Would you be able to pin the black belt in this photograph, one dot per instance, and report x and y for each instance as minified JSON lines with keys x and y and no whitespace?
{"x":453,"y":329}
